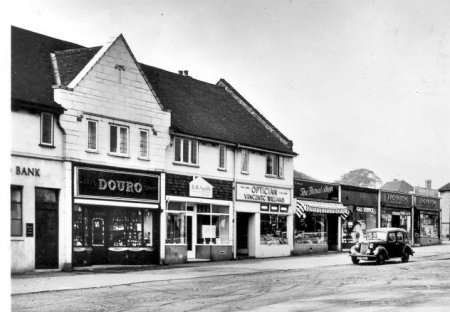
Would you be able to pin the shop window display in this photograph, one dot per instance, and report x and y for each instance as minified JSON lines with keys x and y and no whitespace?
{"x":310,"y":229}
{"x":213,"y":224}
{"x":356,"y":226}
{"x":429,"y":225}
{"x":176,"y":223}
{"x":273,"y":229}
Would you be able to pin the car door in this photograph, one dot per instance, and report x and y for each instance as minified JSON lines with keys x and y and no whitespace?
{"x":400,"y":245}
{"x":391,"y":244}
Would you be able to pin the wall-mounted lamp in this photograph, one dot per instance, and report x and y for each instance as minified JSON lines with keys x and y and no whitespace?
{"x":80,"y":118}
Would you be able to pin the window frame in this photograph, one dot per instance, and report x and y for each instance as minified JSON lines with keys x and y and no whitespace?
{"x":118,"y":128}
{"x":182,"y":153}
{"x":245,"y":161}
{"x":52,"y":130}
{"x":96,"y":135}
{"x":222,"y":149}
{"x":147,"y":150}
{"x":276,"y":167}
{"x":20,"y":189}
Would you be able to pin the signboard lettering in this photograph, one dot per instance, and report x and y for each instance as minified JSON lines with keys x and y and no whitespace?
{"x":427,"y":202}
{"x":318,"y":190}
{"x":29,"y":229}
{"x":117,"y":185}
{"x":365,"y":210}
{"x":425,"y":191}
{"x":199,"y":187}
{"x":263,"y":194}
{"x":28,"y":171}
{"x":396,"y":199}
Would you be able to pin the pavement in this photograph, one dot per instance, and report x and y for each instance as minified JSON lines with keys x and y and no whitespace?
{"x":106,"y":276}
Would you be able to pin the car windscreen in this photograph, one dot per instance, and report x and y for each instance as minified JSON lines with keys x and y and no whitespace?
{"x":377,"y":235}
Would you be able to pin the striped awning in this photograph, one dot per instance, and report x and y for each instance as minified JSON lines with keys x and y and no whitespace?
{"x":303,"y":206}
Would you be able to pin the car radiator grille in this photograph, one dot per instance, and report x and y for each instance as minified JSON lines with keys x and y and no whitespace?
{"x":363,"y":249}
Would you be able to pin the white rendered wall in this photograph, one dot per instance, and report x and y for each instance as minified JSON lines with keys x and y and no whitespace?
{"x":445,"y":215}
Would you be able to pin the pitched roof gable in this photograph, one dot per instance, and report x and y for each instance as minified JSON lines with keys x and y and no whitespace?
{"x":206,"y":110}
{"x":445,"y":188}
{"x":398,"y":186}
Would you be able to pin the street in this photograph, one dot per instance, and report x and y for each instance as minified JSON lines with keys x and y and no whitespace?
{"x":256,"y":285}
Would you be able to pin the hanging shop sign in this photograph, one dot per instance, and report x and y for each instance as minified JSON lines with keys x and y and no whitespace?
{"x":366,"y":210}
{"x":116,"y":185}
{"x":430,"y":203}
{"x":318,"y":190}
{"x":199,"y":187}
{"x":396,"y":199}
{"x":425,"y":191}
{"x":263,"y":194}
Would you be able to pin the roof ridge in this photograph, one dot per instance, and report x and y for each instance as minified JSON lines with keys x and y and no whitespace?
{"x":42,"y":35}
{"x":77,"y":50}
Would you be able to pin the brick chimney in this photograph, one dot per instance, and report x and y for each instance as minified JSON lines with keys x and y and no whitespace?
{"x":428,"y":184}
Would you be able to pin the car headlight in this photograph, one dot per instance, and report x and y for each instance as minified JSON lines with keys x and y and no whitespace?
{"x":371,"y":246}
{"x":357,"y":245}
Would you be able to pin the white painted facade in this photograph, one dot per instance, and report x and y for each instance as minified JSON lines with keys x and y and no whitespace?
{"x":445,"y":215}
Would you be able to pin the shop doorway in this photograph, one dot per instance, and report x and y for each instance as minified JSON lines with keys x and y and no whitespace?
{"x":190,"y":239}
{"x":242,"y":237}
{"x":332,"y":231}
{"x":46,"y":219}
{"x":395,"y":221}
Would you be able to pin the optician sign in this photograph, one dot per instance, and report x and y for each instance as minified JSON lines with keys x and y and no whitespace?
{"x":263,"y":194}
{"x":116,"y":185}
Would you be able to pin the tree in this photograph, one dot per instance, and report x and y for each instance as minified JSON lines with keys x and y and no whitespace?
{"x":361,"y":177}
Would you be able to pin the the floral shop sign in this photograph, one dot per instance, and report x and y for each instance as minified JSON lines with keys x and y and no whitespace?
{"x":317,"y":190}
{"x":116,"y":185}
{"x":263,"y":194}
{"x":396,"y":199}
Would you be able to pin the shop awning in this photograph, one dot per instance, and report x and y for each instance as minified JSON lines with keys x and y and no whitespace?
{"x":303,"y":206}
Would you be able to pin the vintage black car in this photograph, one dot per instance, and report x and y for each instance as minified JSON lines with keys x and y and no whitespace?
{"x":382,"y":244}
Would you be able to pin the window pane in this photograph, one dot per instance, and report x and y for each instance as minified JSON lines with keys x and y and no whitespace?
{"x":47,"y":123}
{"x":148,"y":228}
{"x":123,"y":140}
{"x":273,"y":229}
{"x":194,"y":145}
{"x":244,"y":161}
{"x":92,"y":135}
{"x":177,"y":149}
{"x":113,"y":139}
{"x":222,"y":151}
{"x":206,"y":233}
{"x":223,"y":229}
{"x":185,"y":150}
{"x":204,"y":208}
{"x":269,"y":164}
{"x":281,"y":166}
{"x":16,"y":227}
{"x":220,"y":209}
{"x":16,"y":195}
{"x":16,"y":211}
{"x":176,"y":230}
{"x":275,"y":164}
{"x":143,"y":144}
{"x":177,"y":206}
{"x":45,"y":195}
{"x":310,"y":229}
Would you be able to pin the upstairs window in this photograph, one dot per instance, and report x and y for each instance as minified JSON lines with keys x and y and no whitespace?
{"x":16,"y":210}
{"x":143,"y":144}
{"x":186,"y":151}
{"x":275,"y":165}
{"x":244,"y":161}
{"x":47,"y":129}
{"x":118,"y":140}
{"x":92,"y":135}
{"x":222,"y":157}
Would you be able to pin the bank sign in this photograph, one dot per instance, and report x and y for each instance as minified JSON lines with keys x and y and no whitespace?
{"x":116,"y":185}
{"x":263,"y":194}
{"x":396,"y":199}
{"x":317,"y":190}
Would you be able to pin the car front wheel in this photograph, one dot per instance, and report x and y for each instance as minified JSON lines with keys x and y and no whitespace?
{"x":405,"y":257}
{"x":380,"y":259}
{"x":355,"y":260}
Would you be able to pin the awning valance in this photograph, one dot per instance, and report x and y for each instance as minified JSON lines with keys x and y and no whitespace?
{"x":303,"y":206}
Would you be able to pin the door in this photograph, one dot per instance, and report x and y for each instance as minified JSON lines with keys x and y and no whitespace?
{"x":46,"y":244}
{"x":190,"y":232}
{"x":332,"y":231}
{"x":242,"y":220}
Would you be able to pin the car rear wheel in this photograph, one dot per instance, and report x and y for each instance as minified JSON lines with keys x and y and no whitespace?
{"x":405,"y":257}
{"x":355,"y":260}
{"x":381,"y":259}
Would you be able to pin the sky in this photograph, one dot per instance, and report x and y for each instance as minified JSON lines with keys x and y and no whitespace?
{"x":353,"y":83}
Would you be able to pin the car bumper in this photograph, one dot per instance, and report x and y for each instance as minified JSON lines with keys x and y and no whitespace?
{"x":363,"y":257}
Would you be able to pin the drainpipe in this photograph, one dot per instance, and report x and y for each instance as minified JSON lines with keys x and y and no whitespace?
{"x":339,"y":246}
{"x":234,"y":204}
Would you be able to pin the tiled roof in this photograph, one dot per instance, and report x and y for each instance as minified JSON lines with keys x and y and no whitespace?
{"x":398,"y":186}
{"x":445,"y":188}
{"x":300,"y":175}
{"x":71,"y":62}
{"x":207,"y":110}
{"x":31,"y":66}
{"x":198,"y":108}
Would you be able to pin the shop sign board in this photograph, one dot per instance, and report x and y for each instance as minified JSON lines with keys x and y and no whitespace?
{"x":263,"y":194}
{"x":396,"y":199}
{"x":29,"y":229}
{"x":427,"y":202}
{"x":116,"y":185}
{"x":366,"y":210}
{"x":423,"y":191}
{"x":318,"y":190}
{"x":199,"y":187}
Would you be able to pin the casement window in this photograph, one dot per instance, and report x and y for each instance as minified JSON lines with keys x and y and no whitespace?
{"x":143,"y":144}
{"x":47,"y":126}
{"x":16,"y":210}
{"x":244,"y":161}
{"x":222,"y":157}
{"x":186,"y":151}
{"x":92,"y":135}
{"x":118,"y":139}
{"x":275,"y":165}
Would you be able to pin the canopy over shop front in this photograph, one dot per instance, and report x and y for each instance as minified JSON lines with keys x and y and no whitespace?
{"x":303,"y":206}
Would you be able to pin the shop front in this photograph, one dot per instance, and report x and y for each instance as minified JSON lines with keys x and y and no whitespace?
{"x":197,"y":220}
{"x":317,"y":217}
{"x":362,"y":204}
{"x":396,"y":210}
{"x":115,"y":217}
{"x":426,"y":217}
{"x":263,"y":221}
